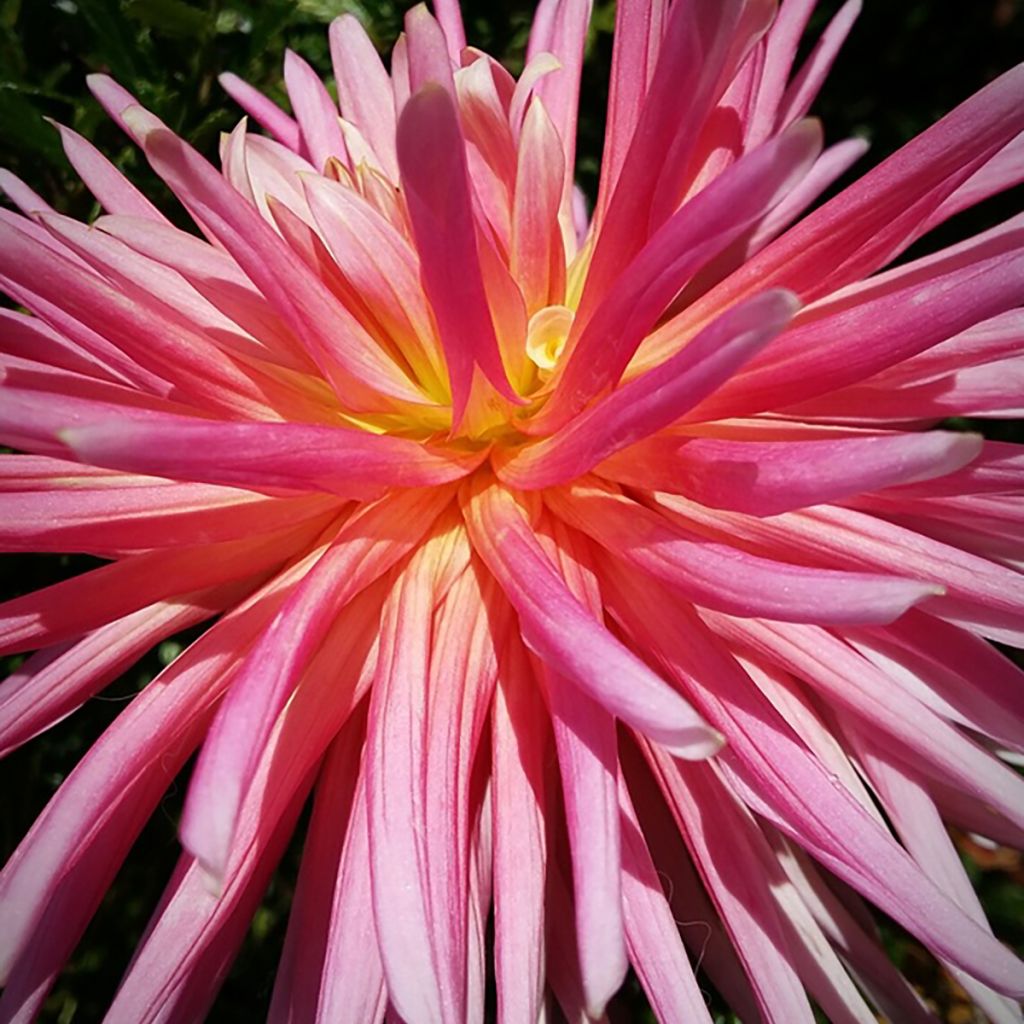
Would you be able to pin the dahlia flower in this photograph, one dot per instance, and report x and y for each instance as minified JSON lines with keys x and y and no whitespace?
{"x":598,"y":572}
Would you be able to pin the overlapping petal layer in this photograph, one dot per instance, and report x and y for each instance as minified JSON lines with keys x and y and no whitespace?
{"x":602,"y":575}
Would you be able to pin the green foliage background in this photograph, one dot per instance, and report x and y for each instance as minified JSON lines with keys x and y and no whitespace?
{"x":907,"y":62}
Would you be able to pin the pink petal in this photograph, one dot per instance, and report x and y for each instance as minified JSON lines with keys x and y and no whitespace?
{"x":537,"y":259}
{"x":655,"y":948}
{"x":566,"y":635}
{"x":613,"y":319}
{"x":519,"y":744}
{"x":315,"y":112}
{"x":775,"y":770}
{"x":825,"y":663}
{"x":352,"y":976}
{"x":364,"y":89}
{"x":92,"y":599}
{"x":922,"y":830}
{"x":563,"y":33}
{"x":56,"y":681}
{"x":284,"y":128}
{"x":56,"y":878}
{"x":359,"y":553}
{"x":383,"y":270}
{"x":292,"y":456}
{"x":725,"y":577}
{"x":987,"y":597}
{"x":114,"y":192}
{"x":870,"y":222}
{"x":434,"y":175}
{"x":639,"y":28}
{"x":330,"y":335}
{"x":727,"y":848}
{"x":430,"y":697}
{"x":652,"y":401}
{"x":764,"y":478}
{"x":807,"y":82}
{"x":161,"y":347}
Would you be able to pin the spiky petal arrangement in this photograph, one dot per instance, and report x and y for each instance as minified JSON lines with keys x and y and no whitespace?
{"x":598,"y":574}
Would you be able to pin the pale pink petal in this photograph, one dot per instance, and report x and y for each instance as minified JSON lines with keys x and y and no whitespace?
{"x":866,"y":225}
{"x":519,"y":743}
{"x":352,"y":975}
{"x":652,"y":936}
{"x":807,"y":82}
{"x":56,"y":681}
{"x":537,"y":258}
{"x":83,"y":603}
{"x":331,"y":336}
{"x":364,"y":89}
{"x":62,"y":868}
{"x":428,"y":48}
{"x":563,"y":33}
{"x":383,"y":270}
{"x":979,"y":593}
{"x":860,"y":947}
{"x":430,"y":697}
{"x":780,"y":48}
{"x":217,"y":277}
{"x":825,"y":663}
{"x":449,"y":16}
{"x":638,"y":33}
{"x":315,"y":112}
{"x":359,"y":553}
{"x":729,"y":853}
{"x":615,"y":316}
{"x":919,"y":825}
{"x":775,"y":771}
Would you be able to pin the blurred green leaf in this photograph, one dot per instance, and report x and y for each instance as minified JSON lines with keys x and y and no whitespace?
{"x":116,"y":45}
{"x":23,"y":129}
{"x":173,"y":18}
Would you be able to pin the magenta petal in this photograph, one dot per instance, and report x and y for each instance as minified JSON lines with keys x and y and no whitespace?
{"x":434,"y":174}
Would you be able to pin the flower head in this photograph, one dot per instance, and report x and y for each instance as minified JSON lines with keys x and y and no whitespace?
{"x":594,"y":572}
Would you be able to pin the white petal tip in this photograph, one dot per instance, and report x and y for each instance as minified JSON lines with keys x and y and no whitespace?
{"x":695,"y":744}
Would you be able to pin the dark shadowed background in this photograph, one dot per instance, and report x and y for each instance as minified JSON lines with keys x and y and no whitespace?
{"x":907,"y":63}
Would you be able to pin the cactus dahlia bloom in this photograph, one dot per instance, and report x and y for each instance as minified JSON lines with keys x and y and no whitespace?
{"x":594,"y":573}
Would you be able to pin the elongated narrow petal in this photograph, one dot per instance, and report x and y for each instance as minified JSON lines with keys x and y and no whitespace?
{"x":519,"y":808}
{"x":612,"y":325}
{"x":431,"y":156}
{"x":314,"y":110}
{"x":599,"y":576}
{"x":364,"y":90}
{"x":651,"y":402}
{"x":303,"y":301}
{"x":726,"y":578}
{"x":655,"y":947}
{"x":565,"y":635}
{"x":359,"y":553}
{"x":338,"y":460}
{"x":843,"y":837}
{"x":261,"y":109}
{"x":763,"y":478}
